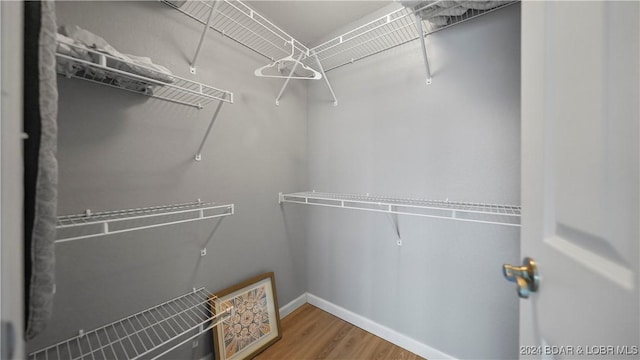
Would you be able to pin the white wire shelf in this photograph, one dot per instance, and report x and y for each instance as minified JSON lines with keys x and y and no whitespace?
{"x":148,"y":334}
{"x":88,"y":225}
{"x":392,"y":30}
{"x":242,"y":24}
{"x":473,"y":212}
{"x":100,"y":68}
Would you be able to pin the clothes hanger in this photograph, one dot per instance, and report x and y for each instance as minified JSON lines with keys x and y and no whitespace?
{"x":285,"y":60}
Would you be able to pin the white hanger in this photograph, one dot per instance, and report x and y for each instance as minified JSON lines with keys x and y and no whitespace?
{"x":289,"y":59}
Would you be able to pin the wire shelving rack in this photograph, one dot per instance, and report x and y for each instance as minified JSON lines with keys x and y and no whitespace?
{"x":244,"y":25}
{"x":472,"y":212}
{"x":239,"y":22}
{"x":99,"y":70}
{"x":88,"y":225}
{"x":393,"y":29}
{"x":148,"y":334}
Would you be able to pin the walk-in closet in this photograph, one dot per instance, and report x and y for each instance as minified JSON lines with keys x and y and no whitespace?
{"x":440,"y":175}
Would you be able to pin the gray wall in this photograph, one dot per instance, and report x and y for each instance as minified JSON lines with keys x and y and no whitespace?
{"x":11,"y":244}
{"x":458,"y":138}
{"x":120,"y":150}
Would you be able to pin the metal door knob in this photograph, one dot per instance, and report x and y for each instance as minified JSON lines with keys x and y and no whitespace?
{"x":526,"y":276}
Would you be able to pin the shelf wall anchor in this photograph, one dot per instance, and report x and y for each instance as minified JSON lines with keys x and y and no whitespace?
{"x":425,"y":56}
{"x":206,"y":135}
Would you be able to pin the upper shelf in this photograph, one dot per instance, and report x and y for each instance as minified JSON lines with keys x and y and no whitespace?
{"x":87,"y":225}
{"x":107,"y":70}
{"x":395,"y":29}
{"x":148,"y":334}
{"x":242,"y":24}
{"x":474,"y":212}
{"x":239,"y":22}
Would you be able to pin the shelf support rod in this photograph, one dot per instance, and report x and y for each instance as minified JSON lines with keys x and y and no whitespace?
{"x":206,"y":135}
{"x":425,"y":56}
{"x":393,"y":217}
{"x":326,"y":79}
{"x":214,"y":7}
{"x":288,"y":78}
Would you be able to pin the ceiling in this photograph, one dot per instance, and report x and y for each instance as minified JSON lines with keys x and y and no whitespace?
{"x":309,"y":21}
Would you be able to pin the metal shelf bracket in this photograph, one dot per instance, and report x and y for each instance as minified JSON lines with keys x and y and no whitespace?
{"x":206,"y":135}
{"x":326,"y":79}
{"x":286,"y":82}
{"x":393,"y":217}
{"x":425,"y":56}
{"x":214,"y":8}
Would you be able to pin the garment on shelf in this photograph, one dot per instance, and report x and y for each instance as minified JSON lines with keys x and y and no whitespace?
{"x":482,"y":5}
{"x":440,"y":13}
{"x":67,"y":67}
{"x":73,"y":39}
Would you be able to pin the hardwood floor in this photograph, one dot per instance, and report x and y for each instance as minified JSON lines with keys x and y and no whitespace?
{"x":311,"y":333}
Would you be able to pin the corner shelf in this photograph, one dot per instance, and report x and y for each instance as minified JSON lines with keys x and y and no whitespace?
{"x":242,"y":24}
{"x":239,"y":22}
{"x":148,"y":334}
{"x":88,"y":225}
{"x":473,"y":212}
{"x":99,"y":70}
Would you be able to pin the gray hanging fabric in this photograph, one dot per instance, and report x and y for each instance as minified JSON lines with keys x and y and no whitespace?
{"x":40,"y":163}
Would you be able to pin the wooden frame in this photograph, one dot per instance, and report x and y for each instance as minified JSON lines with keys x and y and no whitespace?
{"x":255,"y":321}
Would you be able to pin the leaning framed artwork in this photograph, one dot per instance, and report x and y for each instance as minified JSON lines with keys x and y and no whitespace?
{"x":254,"y":323}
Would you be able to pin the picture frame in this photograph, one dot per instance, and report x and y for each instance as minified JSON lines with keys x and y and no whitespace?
{"x":254,"y":323}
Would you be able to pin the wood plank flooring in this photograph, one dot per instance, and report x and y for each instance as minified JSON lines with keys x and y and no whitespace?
{"x":311,"y":333}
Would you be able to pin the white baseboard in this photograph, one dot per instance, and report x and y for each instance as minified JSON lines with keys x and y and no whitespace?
{"x":292,"y":305}
{"x":382,"y":331}
{"x":360,"y":321}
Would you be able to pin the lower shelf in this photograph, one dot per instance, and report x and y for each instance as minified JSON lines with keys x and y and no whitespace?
{"x":474,"y":212}
{"x":148,"y":334}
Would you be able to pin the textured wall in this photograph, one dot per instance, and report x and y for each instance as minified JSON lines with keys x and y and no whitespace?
{"x":121,"y":150}
{"x":458,"y":138}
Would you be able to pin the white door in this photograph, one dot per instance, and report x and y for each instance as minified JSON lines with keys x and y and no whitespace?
{"x":580,"y":184}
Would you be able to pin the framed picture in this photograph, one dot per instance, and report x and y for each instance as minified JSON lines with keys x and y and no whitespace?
{"x":254,"y":323}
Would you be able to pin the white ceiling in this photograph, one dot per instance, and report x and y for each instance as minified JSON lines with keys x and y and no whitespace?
{"x":310,"y":20}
